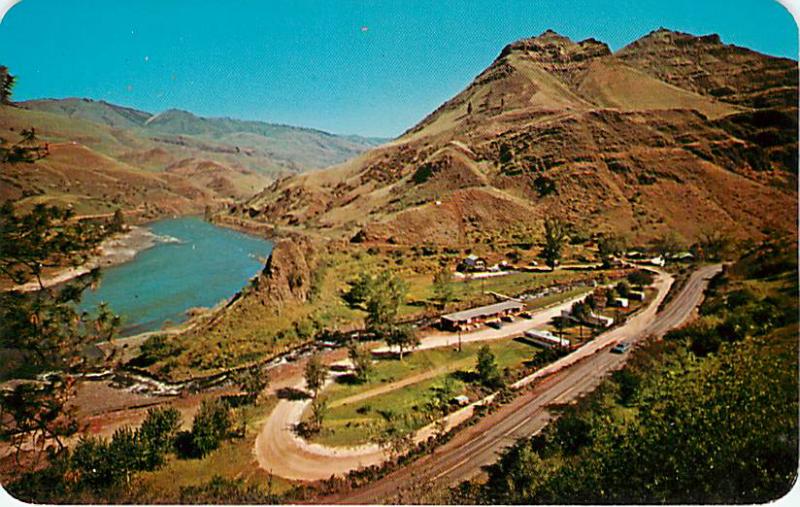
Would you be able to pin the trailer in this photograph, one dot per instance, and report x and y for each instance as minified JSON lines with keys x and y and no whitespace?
{"x":546,"y":339}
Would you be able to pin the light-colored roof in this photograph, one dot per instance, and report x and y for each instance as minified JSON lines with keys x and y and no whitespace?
{"x":483,"y":311}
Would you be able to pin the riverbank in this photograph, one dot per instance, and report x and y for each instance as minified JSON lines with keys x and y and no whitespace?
{"x":251,"y":227}
{"x":117,"y":249}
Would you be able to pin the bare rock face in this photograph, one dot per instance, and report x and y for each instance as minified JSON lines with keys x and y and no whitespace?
{"x":553,"y":48}
{"x":287,"y":274}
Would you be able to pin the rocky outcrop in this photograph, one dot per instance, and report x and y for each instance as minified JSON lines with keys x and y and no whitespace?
{"x":288,"y":272}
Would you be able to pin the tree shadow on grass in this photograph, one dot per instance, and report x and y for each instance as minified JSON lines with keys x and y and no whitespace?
{"x":468,"y":377}
{"x":348,"y":380}
{"x":291,"y":393}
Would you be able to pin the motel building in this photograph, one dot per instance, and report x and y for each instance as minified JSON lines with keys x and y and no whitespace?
{"x":474,"y":317}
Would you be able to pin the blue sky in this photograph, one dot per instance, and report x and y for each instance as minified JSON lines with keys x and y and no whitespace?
{"x":359,"y":67}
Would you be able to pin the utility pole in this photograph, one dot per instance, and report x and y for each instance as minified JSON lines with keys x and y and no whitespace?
{"x":459,"y":338}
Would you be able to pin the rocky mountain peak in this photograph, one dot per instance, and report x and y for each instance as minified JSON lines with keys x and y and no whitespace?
{"x":663,"y":37}
{"x":552,"y":47}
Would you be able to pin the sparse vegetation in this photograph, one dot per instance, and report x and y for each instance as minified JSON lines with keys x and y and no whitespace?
{"x":315,"y":374}
{"x":555,"y":234}
{"x":361,"y":358}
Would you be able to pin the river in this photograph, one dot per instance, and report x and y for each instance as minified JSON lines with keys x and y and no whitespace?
{"x":193,"y":263}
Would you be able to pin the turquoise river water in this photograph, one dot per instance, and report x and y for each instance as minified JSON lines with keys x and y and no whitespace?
{"x":194,"y":263}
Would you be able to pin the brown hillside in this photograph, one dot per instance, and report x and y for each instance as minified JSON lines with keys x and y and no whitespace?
{"x":559,"y":127}
{"x":707,"y":66}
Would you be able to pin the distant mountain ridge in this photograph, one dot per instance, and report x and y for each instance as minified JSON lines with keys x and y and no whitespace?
{"x":104,"y":156}
{"x":298,"y":148}
{"x":672,"y":133}
{"x":92,"y":110}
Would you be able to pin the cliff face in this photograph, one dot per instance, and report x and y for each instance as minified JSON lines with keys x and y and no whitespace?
{"x":672,"y":133}
{"x":288,"y":272}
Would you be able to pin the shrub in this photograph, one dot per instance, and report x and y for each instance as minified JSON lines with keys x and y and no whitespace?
{"x":544,"y":186}
{"x":211,"y":425}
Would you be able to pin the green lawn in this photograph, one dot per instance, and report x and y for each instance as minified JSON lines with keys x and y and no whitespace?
{"x":351,"y":424}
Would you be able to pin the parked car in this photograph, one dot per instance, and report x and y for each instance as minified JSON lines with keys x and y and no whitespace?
{"x":460,"y":400}
{"x":507,"y":318}
{"x":526,"y":315}
{"x":621,"y":348}
{"x":495,"y":324}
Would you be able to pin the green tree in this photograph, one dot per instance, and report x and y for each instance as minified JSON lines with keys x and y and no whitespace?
{"x":442,"y":287}
{"x":383,"y":302}
{"x":555,"y":234}
{"x":441,"y":394}
{"x":627,"y":384}
{"x":29,"y":137}
{"x":488,"y":371}
{"x":124,"y":455}
{"x":394,"y":435}
{"x":319,"y":410}
{"x":667,"y":245}
{"x":360,"y":289}
{"x":610,"y":246}
{"x":572,"y":433}
{"x":157,"y":436}
{"x":517,"y":478}
{"x":7,"y":82}
{"x":361,"y":358}
{"x":211,"y":425}
{"x":252,"y":381}
{"x":315,"y":374}
{"x":45,"y":327}
{"x":641,"y":278}
{"x":403,"y":337}
{"x":715,"y":245}
{"x":90,"y":459}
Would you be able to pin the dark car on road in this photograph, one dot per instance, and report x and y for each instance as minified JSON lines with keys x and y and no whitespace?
{"x":496,"y":324}
{"x":621,"y":348}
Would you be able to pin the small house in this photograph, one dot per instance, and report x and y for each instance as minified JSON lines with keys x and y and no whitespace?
{"x":636,"y":295}
{"x":599,"y":320}
{"x":620,"y":302}
{"x":682,"y":256}
{"x":472,"y":263}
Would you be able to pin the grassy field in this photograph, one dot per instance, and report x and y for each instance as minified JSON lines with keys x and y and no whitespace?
{"x":353,"y":423}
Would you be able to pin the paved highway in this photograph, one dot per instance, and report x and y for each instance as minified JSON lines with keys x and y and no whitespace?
{"x":464,"y":456}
